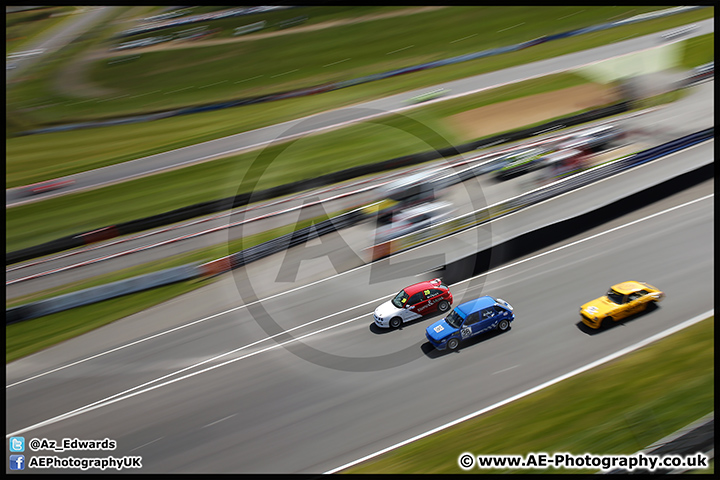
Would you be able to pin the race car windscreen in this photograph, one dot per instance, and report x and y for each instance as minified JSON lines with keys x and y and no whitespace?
{"x":454,"y":320}
{"x":400,"y":299}
{"x":615,"y":297}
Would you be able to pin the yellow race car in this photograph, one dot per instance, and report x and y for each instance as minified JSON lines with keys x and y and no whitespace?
{"x":622,"y":300}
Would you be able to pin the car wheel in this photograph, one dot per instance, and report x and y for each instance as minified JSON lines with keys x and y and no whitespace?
{"x":503,"y":325}
{"x":608,"y":322}
{"x":453,"y":343}
{"x":395,"y":322}
{"x":443,"y":306}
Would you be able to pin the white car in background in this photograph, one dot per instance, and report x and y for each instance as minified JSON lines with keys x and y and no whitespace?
{"x":679,"y":32}
{"x":413,"y":219}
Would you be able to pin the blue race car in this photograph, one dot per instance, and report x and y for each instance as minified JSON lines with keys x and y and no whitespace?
{"x":470,"y":319}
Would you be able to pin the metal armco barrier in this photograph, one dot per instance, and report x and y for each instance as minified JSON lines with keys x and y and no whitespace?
{"x":296,"y":238}
{"x":478,"y":217}
{"x":216,"y":267}
{"x":208,"y":208}
{"x":279,"y":244}
{"x":101,"y":292}
{"x":99,"y":235}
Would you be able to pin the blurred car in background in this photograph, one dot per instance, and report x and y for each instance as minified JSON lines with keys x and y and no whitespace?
{"x":703,"y":72}
{"x":47,"y":186}
{"x":413,"y":302}
{"x":593,"y":139}
{"x":143,"y":42}
{"x":678,"y":32}
{"x":561,"y":162}
{"x":431,"y":95}
{"x":403,"y":193}
{"x":402,"y":222}
{"x":520,"y":162}
{"x":470,"y":319}
{"x":621,"y":301}
{"x":26,"y":53}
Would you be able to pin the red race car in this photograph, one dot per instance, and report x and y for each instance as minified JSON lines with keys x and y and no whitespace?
{"x":415,"y":301}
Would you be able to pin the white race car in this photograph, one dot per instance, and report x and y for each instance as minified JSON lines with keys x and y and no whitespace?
{"x":413,"y":302}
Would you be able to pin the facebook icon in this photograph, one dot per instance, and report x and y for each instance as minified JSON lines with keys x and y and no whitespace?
{"x":17,"y":462}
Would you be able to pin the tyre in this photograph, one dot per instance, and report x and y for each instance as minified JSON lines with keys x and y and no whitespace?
{"x":607,"y":322}
{"x":503,"y":325}
{"x":453,"y":343}
{"x":395,"y":322}
{"x":443,"y":306}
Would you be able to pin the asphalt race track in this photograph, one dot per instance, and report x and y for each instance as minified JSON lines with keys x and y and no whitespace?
{"x":219,"y":396}
{"x":334,"y":118}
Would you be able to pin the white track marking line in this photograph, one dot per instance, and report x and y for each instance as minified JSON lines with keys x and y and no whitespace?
{"x":218,"y":421}
{"x":567,"y":16}
{"x":464,"y":38}
{"x":504,"y":29}
{"x":248,"y":79}
{"x":399,"y":49}
{"x":285,"y":73}
{"x":335,"y":63}
{"x":135,"y":390}
{"x":146,"y":444}
{"x":505,"y":369}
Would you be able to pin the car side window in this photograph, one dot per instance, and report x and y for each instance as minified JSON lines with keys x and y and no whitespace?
{"x":635,"y":296}
{"x":472,"y":319}
{"x":488,"y":313}
{"x":434,"y":292}
{"x":417,"y":298}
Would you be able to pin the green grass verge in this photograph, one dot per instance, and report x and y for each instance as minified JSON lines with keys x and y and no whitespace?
{"x":618,"y":408}
{"x":30,"y":336}
{"x":35,"y":158}
{"x":699,"y":51}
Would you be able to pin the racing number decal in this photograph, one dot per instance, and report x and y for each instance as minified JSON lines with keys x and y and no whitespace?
{"x":465,"y":332}
{"x":427,"y":293}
